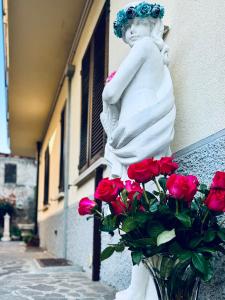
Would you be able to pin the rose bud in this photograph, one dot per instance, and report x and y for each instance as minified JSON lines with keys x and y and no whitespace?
{"x":118,"y":206}
{"x":167,"y":166}
{"x":216,"y":200}
{"x":218,"y":181}
{"x":107,"y":190}
{"x":182,"y":187}
{"x":133,"y":188}
{"x":86,"y":206}
{"x":144,"y":171}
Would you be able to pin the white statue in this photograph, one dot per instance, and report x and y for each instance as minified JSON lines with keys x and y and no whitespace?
{"x":138,"y":108}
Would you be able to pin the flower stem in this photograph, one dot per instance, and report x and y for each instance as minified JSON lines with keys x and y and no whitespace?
{"x":177,"y":207}
{"x":157,"y":185}
{"x":98,"y":213}
{"x":203,"y":221}
{"x":145,"y":195}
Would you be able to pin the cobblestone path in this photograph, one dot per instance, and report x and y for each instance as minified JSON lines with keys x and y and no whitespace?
{"x":22,"y":278}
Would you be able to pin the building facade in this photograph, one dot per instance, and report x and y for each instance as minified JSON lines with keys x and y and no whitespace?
{"x":71,"y":156}
{"x":18,"y":186}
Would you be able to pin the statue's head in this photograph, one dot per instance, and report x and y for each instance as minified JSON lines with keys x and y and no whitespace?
{"x":137,"y":20}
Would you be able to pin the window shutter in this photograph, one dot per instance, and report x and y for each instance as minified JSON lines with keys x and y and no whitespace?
{"x":84,"y":109}
{"x":61,"y":170}
{"x":97,"y":132}
{"x":46,"y":179}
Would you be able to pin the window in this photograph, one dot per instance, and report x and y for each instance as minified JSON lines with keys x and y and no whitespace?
{"x":61,"y":168}
{"x":94,"y":71}
{"x":10,"y":173}
{"x":46,"y":177}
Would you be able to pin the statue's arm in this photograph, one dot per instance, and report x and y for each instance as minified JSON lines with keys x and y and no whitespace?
{"x":127,"y":70}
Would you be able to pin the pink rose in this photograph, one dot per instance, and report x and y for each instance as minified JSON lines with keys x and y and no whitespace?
{"x":144,"y":171}
{"x":167,"y":166}
{"x":182,"y":187}
{"x":218,"y":181}
{"x":107,"y":190}
{"x":132,"y":188}
{"x":86,"y":206}
{"x":216,"y":200}
{"x":118,"y":206}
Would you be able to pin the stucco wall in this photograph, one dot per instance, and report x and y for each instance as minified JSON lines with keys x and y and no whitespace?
{"x":196,"y":40}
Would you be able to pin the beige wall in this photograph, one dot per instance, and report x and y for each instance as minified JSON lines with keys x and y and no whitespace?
{"x":52,"y":140}
{"x":196,"y":40}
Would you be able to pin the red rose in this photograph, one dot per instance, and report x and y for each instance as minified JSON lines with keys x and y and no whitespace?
{"x":119,"y":183}
{"x":182,"y":187}
{"x":216,"y":200}
{"x":86,"y":206}
{"x":118,"y":206}
{"x":107,"y":190}
{"x":132,"y":188}
{"x":218,"y":180}
{"x":144,"y":171}
{"x":167,"y":165}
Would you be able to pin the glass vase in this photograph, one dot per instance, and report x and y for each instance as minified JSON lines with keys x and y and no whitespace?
{"x":173,"y":280}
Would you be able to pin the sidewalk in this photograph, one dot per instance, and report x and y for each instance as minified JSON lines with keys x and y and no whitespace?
{"x":22,"y":278}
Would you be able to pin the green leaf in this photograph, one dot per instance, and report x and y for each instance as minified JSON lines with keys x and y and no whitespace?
{"x":154,"y":229}
{"x":199,"y":262}
{"x":207,"y":250}
{"x":154,"y":207}
{"x":209,"y":272}
{"x":144,"y":242}
{"x":165,"y":237}
{"x":186,"y":255}
{"x":195,"y":241}
{"x":119,"y":247}
{"x":141,"y":218}
{"x":109,"y":223}
{"x":107,"y":252}
{"x":162,"y":183}
{"x":209,"y":236}
{"x":184,"y":219}
{"x":129,"y":224}
{"x":175,"y":248}
{"x":136,"y":257}
{"x":203,"y":189}
{"x":221,"y":235}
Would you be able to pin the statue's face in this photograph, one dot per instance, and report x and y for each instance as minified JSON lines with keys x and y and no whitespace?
{"x":136,"y":29}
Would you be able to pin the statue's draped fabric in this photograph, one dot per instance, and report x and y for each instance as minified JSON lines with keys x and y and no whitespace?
{"x":147,"y":133}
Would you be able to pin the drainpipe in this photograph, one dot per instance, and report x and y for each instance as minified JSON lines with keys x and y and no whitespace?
{"x":69,"y":74}
{"x":37,"y":189}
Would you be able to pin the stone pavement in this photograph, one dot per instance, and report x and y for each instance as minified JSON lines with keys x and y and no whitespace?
{"x":21,"y":278}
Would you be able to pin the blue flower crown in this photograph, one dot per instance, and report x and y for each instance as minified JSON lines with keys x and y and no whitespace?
{"x":142,"y":10}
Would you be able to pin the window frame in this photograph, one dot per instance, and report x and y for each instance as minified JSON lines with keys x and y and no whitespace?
{"x":89,"y":159}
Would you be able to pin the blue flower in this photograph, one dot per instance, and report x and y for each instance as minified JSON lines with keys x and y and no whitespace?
{"x":155,"y":11}
{"x":143,"y":9}
{"x":117,"y":29}
{"x":121,"y":17}
{"x":130,"y":12}
{"x":162,"y":12}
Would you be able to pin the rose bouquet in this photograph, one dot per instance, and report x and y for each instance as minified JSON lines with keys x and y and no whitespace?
{"x":167,"y":220}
